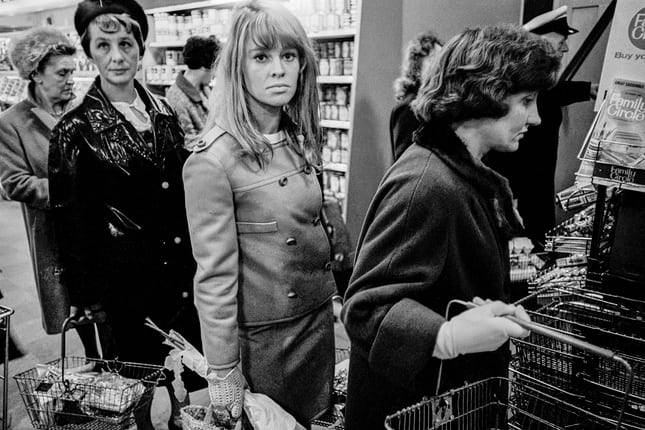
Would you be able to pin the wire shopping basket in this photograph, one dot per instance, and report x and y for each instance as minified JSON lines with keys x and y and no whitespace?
{"x":602,"y":318}
{"x":520,"y":402}
{"x":86,"y":393}
{"x":5,"y":318}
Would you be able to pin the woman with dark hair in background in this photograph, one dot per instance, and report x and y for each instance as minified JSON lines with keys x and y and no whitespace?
{"x":189,"y":95}
{"x":44,"y":57}
{"x":403,"y":122}
{"x":438,"y":227}
{"x":115,"y":177}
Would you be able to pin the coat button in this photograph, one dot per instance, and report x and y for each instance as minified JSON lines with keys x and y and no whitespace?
{"x":185,"y":294}
{"x":282,"y":181}
{"x":339,"y":257}
{"x":165,"y":185}
{"x":328,"y":265}
{"x":292,"y":241}
{"x":177,"y":240}
{"x":307,"y":170}
{"x":292,"y":294}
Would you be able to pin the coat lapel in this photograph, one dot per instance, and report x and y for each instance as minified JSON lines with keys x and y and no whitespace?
{"x":108,"y":122}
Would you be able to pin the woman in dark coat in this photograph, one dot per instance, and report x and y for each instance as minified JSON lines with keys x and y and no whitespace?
{"x":115,"y":177}
{"x":437,"y":230}
{"x":403,"y":122}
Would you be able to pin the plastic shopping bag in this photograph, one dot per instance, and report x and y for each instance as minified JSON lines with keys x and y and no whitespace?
{"x":265,"y":414}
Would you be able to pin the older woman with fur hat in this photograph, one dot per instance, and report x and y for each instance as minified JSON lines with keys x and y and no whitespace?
{"x":115,"y":173}
{"x":44,"y":57}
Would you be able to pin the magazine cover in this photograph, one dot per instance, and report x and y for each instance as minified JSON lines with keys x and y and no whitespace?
{"x":614,"y":148}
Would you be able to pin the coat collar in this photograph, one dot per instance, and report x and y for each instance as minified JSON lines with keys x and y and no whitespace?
{"x":45,"y":117}
{"x":102,"y":115}
{"x":442,"y":141}
{"x":187,"y":88}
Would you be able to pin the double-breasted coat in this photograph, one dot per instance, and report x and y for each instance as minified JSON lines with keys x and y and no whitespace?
{"x":118,"y":200}
{"x":264,"y":282}
{"x":25,"y":129}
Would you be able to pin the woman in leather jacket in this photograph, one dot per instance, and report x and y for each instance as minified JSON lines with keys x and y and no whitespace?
{"x":115,"y":177}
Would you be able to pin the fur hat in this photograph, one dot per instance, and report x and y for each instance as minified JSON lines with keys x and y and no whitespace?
{"x":87,"y":10}
{"x":27,"y":51}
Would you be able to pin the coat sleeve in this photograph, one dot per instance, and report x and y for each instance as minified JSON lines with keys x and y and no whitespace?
{"x":17,"y":178}
{"x":77,"y":217}
{"x":211,"y":221}
{"x":400,"y":258}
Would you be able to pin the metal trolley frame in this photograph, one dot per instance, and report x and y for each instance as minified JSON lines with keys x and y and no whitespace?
{"x":5,"y":318}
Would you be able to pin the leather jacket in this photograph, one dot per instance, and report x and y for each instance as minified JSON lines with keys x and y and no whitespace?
{"x":118,"y":200}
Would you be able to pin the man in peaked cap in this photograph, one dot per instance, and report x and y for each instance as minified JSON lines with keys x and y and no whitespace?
{"x":531,"y":169}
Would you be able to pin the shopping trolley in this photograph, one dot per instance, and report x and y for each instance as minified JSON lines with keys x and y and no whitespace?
{"x":601,"y":318}
{"x":105,"y":395}
{"x":5,"y":317}
{"x":521,"y":401}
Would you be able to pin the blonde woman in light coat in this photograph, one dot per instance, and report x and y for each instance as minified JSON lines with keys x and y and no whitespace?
{"x":264,"y":282}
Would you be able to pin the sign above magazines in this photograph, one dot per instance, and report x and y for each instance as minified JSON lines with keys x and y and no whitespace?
{"x":625,"y":54}
{"x":613,"y":152}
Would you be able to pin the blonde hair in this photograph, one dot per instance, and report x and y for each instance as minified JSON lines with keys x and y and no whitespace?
{"x":268,"y":25}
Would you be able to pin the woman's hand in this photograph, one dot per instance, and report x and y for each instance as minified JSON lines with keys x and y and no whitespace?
{"x":480,"y":329}
{"x":226,"y":390}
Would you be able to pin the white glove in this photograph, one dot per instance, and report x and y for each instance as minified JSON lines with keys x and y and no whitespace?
{"x":226,"y":390}
{"x":479,"y":329}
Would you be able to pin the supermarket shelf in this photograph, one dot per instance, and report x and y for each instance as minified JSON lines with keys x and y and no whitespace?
{"x":160,"y":83}
{"x":77,"y":75}
{"x":333,"y":34}
{"x":336,"y":167}
{"x":29,"y":6}
{"x":192,"y":5}
{"x":348,"y":79}
{"x":169,"y":44}
{"x":175,"y":43}
{"x":334,"y":124}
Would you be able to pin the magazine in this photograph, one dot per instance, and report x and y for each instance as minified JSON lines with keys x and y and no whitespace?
{"x":614,"y":149}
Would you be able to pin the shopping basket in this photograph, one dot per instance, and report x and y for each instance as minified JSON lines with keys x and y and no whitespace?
{"x":520,"y":401}
{"x":5,"y":317}
{"x":87,"y":393}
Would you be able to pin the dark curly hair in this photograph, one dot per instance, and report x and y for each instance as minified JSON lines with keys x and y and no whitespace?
{"x":477,"y":69}
{"x":201,"y":51}
{"x":415,"y":53}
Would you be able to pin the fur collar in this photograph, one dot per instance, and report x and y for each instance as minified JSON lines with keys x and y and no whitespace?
{"x":442,"y":141}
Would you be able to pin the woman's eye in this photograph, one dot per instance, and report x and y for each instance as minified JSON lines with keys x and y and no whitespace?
{"x":289,"y":56}
{"x":260,"y":58}
{"x":126,"y":44}
{"x":102,"y":45}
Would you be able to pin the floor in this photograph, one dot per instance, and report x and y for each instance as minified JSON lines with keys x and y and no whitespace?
{"x":19,"y":291}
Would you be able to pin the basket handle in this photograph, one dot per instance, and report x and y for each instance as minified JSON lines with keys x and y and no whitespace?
{"x":70,"y":322}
